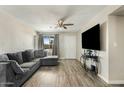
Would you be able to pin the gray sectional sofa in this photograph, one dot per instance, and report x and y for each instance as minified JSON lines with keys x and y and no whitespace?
{"x":22,"y":65}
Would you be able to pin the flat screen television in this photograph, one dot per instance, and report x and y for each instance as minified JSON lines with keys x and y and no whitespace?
{"x":91,"y":38}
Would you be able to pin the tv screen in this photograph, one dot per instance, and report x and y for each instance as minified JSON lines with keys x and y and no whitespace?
{"x":91,"y":38}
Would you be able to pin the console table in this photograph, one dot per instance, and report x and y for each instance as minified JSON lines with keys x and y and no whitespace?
{"x":88,"y":55}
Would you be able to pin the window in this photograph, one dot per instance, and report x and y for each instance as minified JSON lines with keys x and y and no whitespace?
{"x":48,"y":41}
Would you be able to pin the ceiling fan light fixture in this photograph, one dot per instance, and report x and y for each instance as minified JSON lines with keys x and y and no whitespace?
{"x":61,"y":24}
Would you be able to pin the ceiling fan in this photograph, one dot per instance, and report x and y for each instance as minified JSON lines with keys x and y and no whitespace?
{"x":61,"y":24}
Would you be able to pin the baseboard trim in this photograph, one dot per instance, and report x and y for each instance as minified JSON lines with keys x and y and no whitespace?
{"x":104,"y":79}
{"x":116,"y":82}
{"x":111,"y":81}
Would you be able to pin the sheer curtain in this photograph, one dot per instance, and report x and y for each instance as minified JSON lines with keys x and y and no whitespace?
{"x":40,"y":42}
{"x":56,"y":45}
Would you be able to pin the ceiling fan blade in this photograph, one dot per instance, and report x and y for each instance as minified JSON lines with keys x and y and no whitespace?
{"x":68,"y":24}
{"x":64,"y":27}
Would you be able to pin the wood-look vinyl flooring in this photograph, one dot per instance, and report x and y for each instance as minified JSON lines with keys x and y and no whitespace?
{"x":69,"y":73}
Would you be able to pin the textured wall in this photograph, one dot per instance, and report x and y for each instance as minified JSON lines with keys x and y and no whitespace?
{"x":14,"y":34}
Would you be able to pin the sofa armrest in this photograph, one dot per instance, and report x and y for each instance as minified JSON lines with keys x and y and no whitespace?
{"x":15,"y":66}
{"x":6,"y":73}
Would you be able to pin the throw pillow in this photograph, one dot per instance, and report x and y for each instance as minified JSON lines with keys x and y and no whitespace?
{"x":15,"y":56}
{"x":28,"y":55}
{"x":4,"y":57}
{"x":39,"y":53}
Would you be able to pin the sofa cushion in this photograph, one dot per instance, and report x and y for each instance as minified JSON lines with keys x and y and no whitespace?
{"x":16,"y":56}
{"x":16,"y":67}
{"x":4,"y":57}
{"x":39,"y":53}
{"x":19,"y":58}
{"x":49,"y":61}
{"x":28,"y":64}
{"x":28,"y":55}
{"x":36,"y":60}
{"x":26,"y":69}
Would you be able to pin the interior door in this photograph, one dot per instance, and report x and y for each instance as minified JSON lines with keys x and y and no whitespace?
{"x":70,"y":46}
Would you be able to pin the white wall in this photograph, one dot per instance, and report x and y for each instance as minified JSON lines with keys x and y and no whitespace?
{"x":104,"y":63}
{"x":14,"y":35}
{"x":67,"y":45}
{"x":116,"y":49}
{"x":101,"y":18}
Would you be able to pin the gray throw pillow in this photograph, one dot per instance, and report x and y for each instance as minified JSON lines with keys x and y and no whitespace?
{"x":4,"y":58}
{"x":15,"y":56}
{"x":28,"y":55}
{"x":19,"y":57}
{"x":16,"y":67}
{"x":39,"y":53}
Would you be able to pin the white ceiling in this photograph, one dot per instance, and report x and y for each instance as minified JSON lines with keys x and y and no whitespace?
{"x":44,"y":18}
{"x":119,"y":12}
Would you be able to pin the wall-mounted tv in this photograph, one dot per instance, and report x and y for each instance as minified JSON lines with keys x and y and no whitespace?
{"x":91,"y":38}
